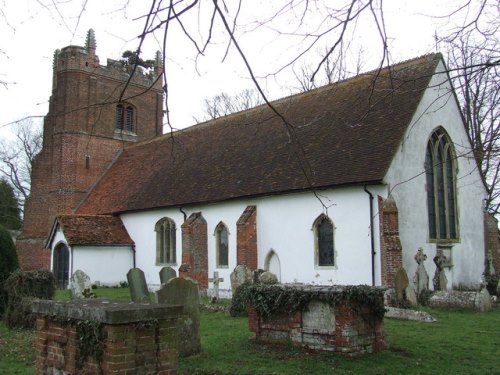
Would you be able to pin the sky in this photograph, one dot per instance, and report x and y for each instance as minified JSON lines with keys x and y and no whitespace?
{"x":31,"y":30}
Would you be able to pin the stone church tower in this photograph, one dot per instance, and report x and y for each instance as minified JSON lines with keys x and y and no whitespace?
{"x":94,"y":112}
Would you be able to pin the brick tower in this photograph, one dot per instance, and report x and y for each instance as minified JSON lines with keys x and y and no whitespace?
{"x":94,"y":112}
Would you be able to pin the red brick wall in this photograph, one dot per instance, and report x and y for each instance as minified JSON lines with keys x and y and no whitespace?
{"x":195,"y":250}
{"x":128,"y":349}
{"x":390,"y":243}
{"x":492,"y":240}
{"x":246,"y":238}
{"x":352,"y":335}
{"x":79,"y":140}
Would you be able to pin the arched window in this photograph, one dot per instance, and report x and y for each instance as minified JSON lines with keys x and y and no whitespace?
{"x":165,"y":241}
{"x":323,"y":233}
{"x":440,"y":171}
{"x":222,"y":245}
{"x":125,"y":117}
{"x":60,"y":265}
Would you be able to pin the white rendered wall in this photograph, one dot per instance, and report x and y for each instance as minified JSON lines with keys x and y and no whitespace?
{"x":284,"y":224}
{"x":105,"y":264}
{"x":406,"y":179}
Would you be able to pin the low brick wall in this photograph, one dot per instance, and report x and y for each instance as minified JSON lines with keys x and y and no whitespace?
{"x":137,"y":338}
{"x":344,"y":328}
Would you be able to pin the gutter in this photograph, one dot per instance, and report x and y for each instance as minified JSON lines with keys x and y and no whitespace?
{"x":372,"y":231}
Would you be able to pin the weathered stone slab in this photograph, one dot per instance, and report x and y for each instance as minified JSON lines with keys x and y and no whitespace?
{"x":407,"y":314}
{"x":184,"y":292}
{"x":167,"y":273}
{"x":105,"y":311}
{"x":479,"y":301}
{"x":137,"y":285}
{"x":401,"y":282}
{"x":78,"y":283}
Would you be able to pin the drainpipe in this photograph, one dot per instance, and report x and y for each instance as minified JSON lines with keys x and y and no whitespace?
{"x":370,"y":195}
{"x":183,"y":212}
{"x":133,"y":254}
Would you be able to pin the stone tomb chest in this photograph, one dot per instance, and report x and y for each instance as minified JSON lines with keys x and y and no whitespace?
{"x":344,"y":319}
{"x":92,"y":336}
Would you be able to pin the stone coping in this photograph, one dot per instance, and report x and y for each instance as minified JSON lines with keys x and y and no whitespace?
{"x":105,"y":311}
{"x":326,"y":288}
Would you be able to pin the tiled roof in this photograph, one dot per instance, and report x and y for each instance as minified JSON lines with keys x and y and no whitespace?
{"x":345,"y":133}
{"x":94,"y":230}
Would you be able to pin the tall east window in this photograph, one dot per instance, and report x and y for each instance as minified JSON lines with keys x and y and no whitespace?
{"x":222,"y":245}
{"x":125,"y":117}
{"x":165,"y":241}
{"x":440,"y":171}
{"x":324,"y":246}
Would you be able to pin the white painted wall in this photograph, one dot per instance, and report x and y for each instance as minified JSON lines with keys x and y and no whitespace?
{"x":406,"y":179}
{"x":284,"y":224}
{"x":106,"y":264}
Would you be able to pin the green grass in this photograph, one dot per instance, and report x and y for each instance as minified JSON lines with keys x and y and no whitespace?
{"x":460,"y":342}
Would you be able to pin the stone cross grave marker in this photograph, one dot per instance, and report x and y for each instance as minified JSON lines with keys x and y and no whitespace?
{"x":421,"y":277}
{"x":184,"y":292}
{"x":216,"y":280}
{"x":78,"y":283}
{"x":137,"y":285}
{"x":167,"y":273}
{"x":440,"y":281}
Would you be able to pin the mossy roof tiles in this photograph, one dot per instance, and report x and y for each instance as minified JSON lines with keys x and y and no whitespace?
{"x":341,"y":134}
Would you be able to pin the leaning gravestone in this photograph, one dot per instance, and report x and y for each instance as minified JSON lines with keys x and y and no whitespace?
{"x":137,"y":285}
{"x":400,"y":283}
{"x":167,"y":273}
{"x":78,"y":283}
{"x":184,"y":292}
{"x":241,"y":275}
{"x":268,"y":278}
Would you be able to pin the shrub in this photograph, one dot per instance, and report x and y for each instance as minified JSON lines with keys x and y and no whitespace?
{"x":22,"y":287}
{"x":8,"y":263}
{"x":492,"y":283}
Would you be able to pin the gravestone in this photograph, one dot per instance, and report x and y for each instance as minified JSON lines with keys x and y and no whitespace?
{"x":78,"y":283}
{"x":216,"y":280}
{"x":421,"y":278}
{"x":167,"y":273}
{"x":401,"y":282}
{"x":137,"y":285}
{"x":184,"y":292}
{"x":440,"y":281}
{"x":241,"y":275}
{"x":268,"y":278}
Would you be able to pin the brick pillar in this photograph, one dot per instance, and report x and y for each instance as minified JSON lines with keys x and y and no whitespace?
{"x":390,"y":243}
{"x":492,"y":241}
{"x":195,"y":250}
{"x":246,"y":238}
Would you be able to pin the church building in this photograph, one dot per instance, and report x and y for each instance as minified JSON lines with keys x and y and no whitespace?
{"x":338,"y":185}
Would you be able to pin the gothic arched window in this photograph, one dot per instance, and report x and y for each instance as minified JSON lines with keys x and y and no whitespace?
{"x":222,"y":245}
{"x":323,"y":237}
{"x":125,"y":117}
{"x":165,"y":241}
{"x":440,"y":171}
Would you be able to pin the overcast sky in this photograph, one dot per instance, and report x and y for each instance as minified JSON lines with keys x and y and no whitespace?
{"x":31,"y":31}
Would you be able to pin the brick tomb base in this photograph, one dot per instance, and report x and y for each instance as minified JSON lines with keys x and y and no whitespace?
{"x":132,"y":338}
{"x":346,"y":327}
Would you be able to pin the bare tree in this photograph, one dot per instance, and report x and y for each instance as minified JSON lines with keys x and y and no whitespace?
{"x":474,"y":70}
{"x":17,"y":156}
{"x":224,"y":104}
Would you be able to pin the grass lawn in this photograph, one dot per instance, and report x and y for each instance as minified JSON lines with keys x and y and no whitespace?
{"x":460,"y":342}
